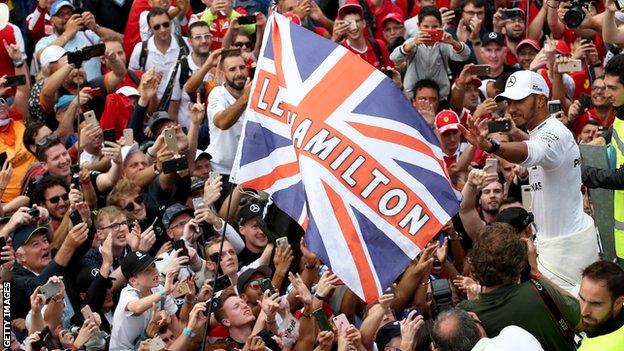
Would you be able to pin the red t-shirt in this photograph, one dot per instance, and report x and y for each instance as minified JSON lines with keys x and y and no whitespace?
{"x":581,"y":121}
{"x":370,"y":56}
{"x":581,"y":83}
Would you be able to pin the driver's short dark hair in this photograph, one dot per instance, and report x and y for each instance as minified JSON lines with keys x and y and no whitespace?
{"x":615,"y":67}
{"x":608,"y":272}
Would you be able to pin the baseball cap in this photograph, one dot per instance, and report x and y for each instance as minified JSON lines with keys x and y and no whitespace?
{"x":196,"y":184}
{"x":51,"y":54}
{"x":511,"y":338}
{"x":4,"y":15}
{"x":493,"y":37}
{"x":127,"y":150}
{"x":292,"y":17}
{"x":63,"y":102}
{"x":249,"y":211}
{"x":350,"y":7}
{"x":157,"y":118}
{"x":446,"y":120}
{"x":245,"y":277}
{"x":24,"y":233}
{"x":57,"y":5}
{"x":202,"y":153}
{"x":562,"y":47}
{"x":528,"y":42}
{"x":392,"y":16}
{"x":85,"y":277}
{"x":521,"y":84}
{"x":517,"y":217}
{"x":136,"y":262}
{"x":127,"y":91}
{"x":386,"y":333}
{"x":173,"y":211}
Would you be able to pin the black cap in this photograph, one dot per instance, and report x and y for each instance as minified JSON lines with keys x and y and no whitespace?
{"x":23,"y":234}
{"x":173,"y":211}
{"x":493,"y":37}
{"x":244,"y":277}
{"x":249,"y":211}
{"x":85,"y":277}
{"x":136,"y":262}
{"x":517,"y":217}
{"x":156,"y":119}
{"x":386,"y":333}
{"x":196,"y":184}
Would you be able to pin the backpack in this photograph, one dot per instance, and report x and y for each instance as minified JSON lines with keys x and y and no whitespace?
{"x":184,"y":50}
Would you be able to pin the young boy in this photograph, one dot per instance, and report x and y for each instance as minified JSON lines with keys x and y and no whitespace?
{"x":143,"y":291}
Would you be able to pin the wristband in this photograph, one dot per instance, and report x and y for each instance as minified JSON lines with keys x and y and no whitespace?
{"x":147,"y":152}
{"x":186,"y":331}
{"x":322,"y":298}
{"x":163,"y":293}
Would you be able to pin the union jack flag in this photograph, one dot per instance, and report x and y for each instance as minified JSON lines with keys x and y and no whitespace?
{"x":342,"y":151}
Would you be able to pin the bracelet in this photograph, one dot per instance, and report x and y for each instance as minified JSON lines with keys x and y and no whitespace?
{"x":322,"y":298}
{"x":549,"y":5}
{"x":147,"y":152}
{"x":306,"y":266}
{"x":186,"y":331}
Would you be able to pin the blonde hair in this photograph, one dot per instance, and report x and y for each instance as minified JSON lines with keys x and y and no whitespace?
{"x":124,"y":187}
{"x":108,"y":213}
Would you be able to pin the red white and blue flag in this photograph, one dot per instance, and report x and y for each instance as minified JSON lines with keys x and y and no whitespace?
{"x":343,"y":152}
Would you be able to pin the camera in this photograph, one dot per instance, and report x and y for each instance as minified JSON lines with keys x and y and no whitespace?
{"x":85,"y":54}
{"x":34,"y":212}
{"x":441,"y":292}
{"x":575,"y":14}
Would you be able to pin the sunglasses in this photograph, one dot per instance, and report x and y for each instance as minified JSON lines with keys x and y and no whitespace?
{"x":164,"y":25}
{"x":137,"y":200}
{"x":47,"y":140}
{"x":255,"y":284}
{"x":57,"y":198}
{"x":206,"y":36}
{"x":240,"y":44}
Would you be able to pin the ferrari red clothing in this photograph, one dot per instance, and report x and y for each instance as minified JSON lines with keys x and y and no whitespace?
{"x":38,"y":24}
{"x":581,"y":83}
{"x":12,"y":35}
{"x":591,"y":114}
{"x":369,"y":54}
{"x":132,"y":34}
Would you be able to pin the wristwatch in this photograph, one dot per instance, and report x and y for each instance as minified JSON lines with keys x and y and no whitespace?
{"x":18,"y":64}
{"x":495,"y":145}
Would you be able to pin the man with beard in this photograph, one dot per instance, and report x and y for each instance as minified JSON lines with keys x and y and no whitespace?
{"x":490,"y":198}
{"x":601,"y":298}
{"x":513,"y":28}
{"x":553,"y":159}
{"x":53,"y":194}
{"x":601,"y":110}
{"x":200,"y":40}
{"x":226,"y":105}
{"x":70,"y":34}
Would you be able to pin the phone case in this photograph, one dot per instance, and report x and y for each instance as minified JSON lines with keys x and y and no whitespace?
{"x":171,"y":140}
{"x":90,"y":117}
{"x":128,"y":135}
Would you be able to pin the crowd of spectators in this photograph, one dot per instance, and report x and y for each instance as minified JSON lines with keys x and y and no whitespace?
{"x":120,"y":229}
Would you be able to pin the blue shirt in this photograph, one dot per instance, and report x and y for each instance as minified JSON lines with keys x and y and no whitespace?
{"x":93,"y":67}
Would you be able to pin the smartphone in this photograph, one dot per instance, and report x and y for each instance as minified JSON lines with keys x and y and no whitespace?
{"x":265,"y":284}
{"x":554,"y":106}
{"x":281,"y":241}
{"x":94,"y":92}
{"x":157,"y":344}
{"x":183,"y":289}
{"x":435,"y":35}
{"x":585,"y":102}
{"x":252,"y":72}
{"x":341,"y":321}
{"x":50,"y":289}
{"x":87,"y":313}
{"x":570,"y":66}
{"x":3,"y":158}
{"x":526,"y":197}
{"x":586,"y":41}
{"x":198,"y":201}
{"x":13,"y":81}
{"x":128,"y":135}
{"x":75,"y":217}
{"x":243,"y":20}
{"x":171,"y":140}
{"x":499,"y":126}
{"x":2,"y":245}
{"x":352,"y":25}
{"x":222,"y":283}
{"x":174,"y":165}
{"x":179,"y":244}
{"x":214,"y":175}
{"x":269,"y":343}
{"x":75,"y":179}
{"x":619,"y":4}
{"x":45,"y":340}
{"x":491,"y":165}
{"x":322,"y":320}
{"x":109,"y":135}
{"x":90,"y":118}
{"x":511,"y":13}
{"x":480,"y":70}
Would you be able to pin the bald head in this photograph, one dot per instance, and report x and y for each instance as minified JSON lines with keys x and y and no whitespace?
{"x":455,"y":330}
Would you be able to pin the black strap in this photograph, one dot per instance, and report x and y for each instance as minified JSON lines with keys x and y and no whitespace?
{"x":143,"y":56}
{"x":166,"y":98}
{"x":134,"y":77}
{"x":564,"y":328}
{"x":185,"y":73}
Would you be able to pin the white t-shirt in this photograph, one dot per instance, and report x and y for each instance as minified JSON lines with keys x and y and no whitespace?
{"x":223,"y":143}
{"x":128,"y":327}
{"x":178,"y":93}
{"x":554,"y":163}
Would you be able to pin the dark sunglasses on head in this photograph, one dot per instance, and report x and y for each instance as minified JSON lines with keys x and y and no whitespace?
{"x":57,"y":198}
{"x":240,"y":44}
{"x":164,"y":25}
{"x":137,"y":200}
{"x":47,"y":140}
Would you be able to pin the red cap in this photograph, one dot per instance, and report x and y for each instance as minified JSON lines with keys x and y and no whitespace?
{"x":562,"y":47}
{"x":530,"y":42}
{"x":476,"y":82}
{"x":446,"y":120}
{"x":392,"y":16}
{"x":350,"y":7}
{"x":292,"y":17}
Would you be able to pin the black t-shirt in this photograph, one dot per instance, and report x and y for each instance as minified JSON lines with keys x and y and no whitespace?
{"x":245,"y":257}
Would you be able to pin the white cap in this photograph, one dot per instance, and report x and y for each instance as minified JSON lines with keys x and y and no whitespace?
{"x":511,"y":338}
{"x":522,"y":84}
{"x":4,"y":15}
{"x":127,"y":150}
{"x":51,"y":54}
{"x":127,"y":91}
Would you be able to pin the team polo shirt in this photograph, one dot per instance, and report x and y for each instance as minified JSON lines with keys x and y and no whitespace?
{"x":554,"y":164}
{"x":223,"y":143}
{"x":521,"y":305}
